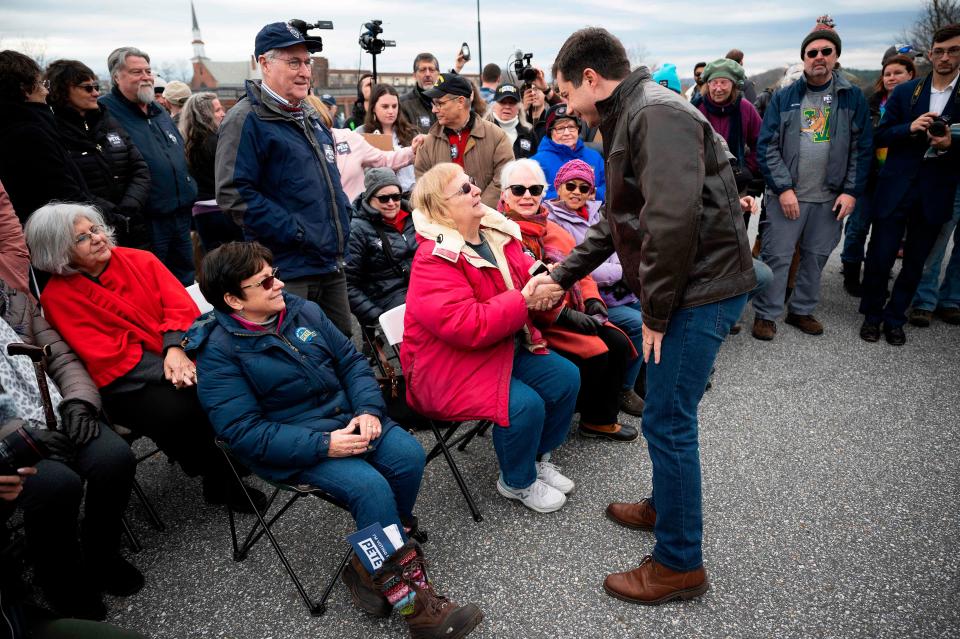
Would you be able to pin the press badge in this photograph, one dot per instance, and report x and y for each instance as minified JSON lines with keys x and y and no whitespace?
{"x":343,"y":148}
{"x":328,"y":152}
{"x":524,"y":145}
{"x":114,"y":139}
{"x":425,"y":121}
{"x":454,"y":152}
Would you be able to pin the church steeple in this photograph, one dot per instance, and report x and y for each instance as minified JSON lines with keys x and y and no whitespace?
{"x":198,"y":52}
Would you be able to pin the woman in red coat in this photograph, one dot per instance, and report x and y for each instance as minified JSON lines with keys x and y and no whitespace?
{"x":472,"y":348}
{"x":124,"y":314}
{"x":581,"y":332}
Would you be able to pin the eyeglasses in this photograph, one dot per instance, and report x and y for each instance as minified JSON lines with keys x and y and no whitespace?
{"x":85,"y":237}
{"x":518,"y":190}
{"x":465,"y":189}
{"x":392,"y":197}
{"x":813,"y":53}
{"x":939,"y":52}
{"x":296,"y":63}
{"x":267,"y":282}
{"x":566,"y":129}
{"x":89,"y":88}
{"x":438,"y":104}
{"x":573,"y":186}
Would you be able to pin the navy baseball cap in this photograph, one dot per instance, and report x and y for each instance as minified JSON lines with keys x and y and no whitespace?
{"x":328,"y":99}
{"x":559,"y":112}
{"x":280,"y":35}
{"x":506,"y":92}
{"x":450,"y":84}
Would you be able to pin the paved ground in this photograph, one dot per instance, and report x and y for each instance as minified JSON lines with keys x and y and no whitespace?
{"x":831,"y":475}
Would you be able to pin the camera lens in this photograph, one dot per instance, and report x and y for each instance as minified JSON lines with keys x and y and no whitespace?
{"x":18,"y":450}
{"x":937,"y":128}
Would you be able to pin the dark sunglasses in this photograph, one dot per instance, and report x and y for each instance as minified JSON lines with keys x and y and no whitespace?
{"x":518,"y":190}
{"x":383,"y":199}
{"x":573,"y":186}
{"x":465,"y":189}
{"x":89,"y":88}
{"x":812,"y":53}
{"x":267,"y":282}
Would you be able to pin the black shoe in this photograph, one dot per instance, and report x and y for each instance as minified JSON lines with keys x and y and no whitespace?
{"x":613,"y":432}
{"x":869,"y":332}
{"x":920,"y":317}
{"x":230,"y":493}
{"x":72,"y":596}
{"x":895,"y":335}
{"x":851,"y":279}
{"x":115,"y":575}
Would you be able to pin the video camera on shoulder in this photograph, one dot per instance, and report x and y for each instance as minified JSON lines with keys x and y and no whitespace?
{"x":523,"y":71}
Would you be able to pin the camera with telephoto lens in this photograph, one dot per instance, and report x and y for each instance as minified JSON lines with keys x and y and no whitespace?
{"x":303,"y":27}
{"x":524,"y":71}
{"x":369,"y":40}
{"x":20,"y":450}
{"x":938,"y":128}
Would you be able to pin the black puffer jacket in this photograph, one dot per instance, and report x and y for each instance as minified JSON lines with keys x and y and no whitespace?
{"x":375,"y":282}
{"x":112,"y":167}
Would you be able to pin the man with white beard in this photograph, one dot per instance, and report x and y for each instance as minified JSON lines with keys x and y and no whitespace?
{"x":172,"y":189}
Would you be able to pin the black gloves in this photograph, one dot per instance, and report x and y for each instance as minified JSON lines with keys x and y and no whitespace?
{"x":60,"y":447}
{"x":80,"y":421}
{"x":578,"y":322}
{"x":594,"y":306}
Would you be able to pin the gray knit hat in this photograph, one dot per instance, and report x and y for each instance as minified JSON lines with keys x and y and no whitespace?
{"x":376,"y":179}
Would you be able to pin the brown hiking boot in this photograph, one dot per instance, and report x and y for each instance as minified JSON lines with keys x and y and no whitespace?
{"x":806,"y":323}
{"x":639,"y":516}
{"x":433,"y":616}
{"x":652,"y":583}
{"x":764,"y":329}
{"x":363,"y":591}
{"x":920,"y":317}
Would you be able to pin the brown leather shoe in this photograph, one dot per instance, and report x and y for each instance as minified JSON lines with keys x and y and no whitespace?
{"x":639,"y":515}
{"x":920,"y":317}
{"x":651,"y":583}
{"x":764,"y":329}
{"x":949,"y":315}
{"x":806,"y":323}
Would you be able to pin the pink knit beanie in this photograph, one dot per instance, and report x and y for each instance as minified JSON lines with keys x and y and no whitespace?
{"x":574,"y":170}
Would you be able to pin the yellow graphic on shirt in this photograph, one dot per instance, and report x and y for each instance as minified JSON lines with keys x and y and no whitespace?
{"x":817,"y":121}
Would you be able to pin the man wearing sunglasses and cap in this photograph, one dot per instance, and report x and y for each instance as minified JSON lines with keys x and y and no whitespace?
{"x":478,"y":146}
{"x":814,"y":151}
{"x":277,"y":174}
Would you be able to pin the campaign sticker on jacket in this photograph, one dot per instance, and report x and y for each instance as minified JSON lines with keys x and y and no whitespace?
{"x":114,"y":139}
{"x":424,"y":120}
{"x":305,"y":334}
{"x":454,"y":151}
{"x":328,"y":152}
{"x":173,"y":138}
{"x":343,"y":148}
{"x":524,"y":145}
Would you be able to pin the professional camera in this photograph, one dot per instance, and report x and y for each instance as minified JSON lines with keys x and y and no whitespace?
{"x":523,"y":71}
{"x":303,"y":27}
{"x":938,"y":128}
{"x":19,"y":450}
{"x":369,"y":41}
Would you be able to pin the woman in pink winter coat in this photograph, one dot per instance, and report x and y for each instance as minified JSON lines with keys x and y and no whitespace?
{"x":472,"y":349}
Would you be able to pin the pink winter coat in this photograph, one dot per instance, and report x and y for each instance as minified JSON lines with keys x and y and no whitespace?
{"x":354,"y":154}
{"x":459,"y":327}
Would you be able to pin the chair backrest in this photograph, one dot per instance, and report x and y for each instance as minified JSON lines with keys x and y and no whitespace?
{"x":199,"y":299}
{"x":391,"y":323}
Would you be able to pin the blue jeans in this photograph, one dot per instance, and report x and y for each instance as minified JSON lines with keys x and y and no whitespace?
{"x":380,"y":486}
{"x":764,"y":276}
{"x":928,"y":297}
{"x":674,"y":389}
{"x":855,"y":232}
{"x":543,"y":396}
{"x":170,"y":242}
{"x":629,"y":319}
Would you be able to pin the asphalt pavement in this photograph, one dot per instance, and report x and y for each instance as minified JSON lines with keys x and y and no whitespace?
{"x":831,"y":489}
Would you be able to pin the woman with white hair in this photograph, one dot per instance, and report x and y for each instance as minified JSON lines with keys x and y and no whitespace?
{"x":124,"y":314}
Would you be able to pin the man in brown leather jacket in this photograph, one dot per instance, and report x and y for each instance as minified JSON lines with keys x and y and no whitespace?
{"x":673,"y":216}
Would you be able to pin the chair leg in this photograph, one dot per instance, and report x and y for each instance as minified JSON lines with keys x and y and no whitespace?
{"x":152,"y":515}
{"x":442,"y":445}
{"x":476,"y":430}
{"x":322,"y":604}
{"x":135,"y":545}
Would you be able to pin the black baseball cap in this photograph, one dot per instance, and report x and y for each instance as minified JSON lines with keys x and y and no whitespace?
{"x":450,"y":84}
{"x":280,"y":35}
{"x":506,"y":92}
{"x":559,"y":112}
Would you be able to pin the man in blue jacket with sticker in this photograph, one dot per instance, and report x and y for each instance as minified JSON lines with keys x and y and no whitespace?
{"x":277,"y":176}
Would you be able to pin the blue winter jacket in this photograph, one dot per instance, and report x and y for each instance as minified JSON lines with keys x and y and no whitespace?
{"x":275,"y":396}
{"x":277,"y":177}
{"x":851,"y":139}
{"x":159,"y":142}
{"x":551,"y":156}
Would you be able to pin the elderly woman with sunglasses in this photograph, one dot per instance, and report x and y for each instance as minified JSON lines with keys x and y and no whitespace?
{"x":112,"y":167}
{"x":576,"y":211}
{"x":381,"y":247}
{"x":582,"y":332}
{"x":473,"y":347}
{"x":124,"y":315}
{"x":296,"y":402}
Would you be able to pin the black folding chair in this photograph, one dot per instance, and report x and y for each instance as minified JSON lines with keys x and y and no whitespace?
{"x":391,"y":324}
{"x":153,"y":517}
{"x":263,"y":526}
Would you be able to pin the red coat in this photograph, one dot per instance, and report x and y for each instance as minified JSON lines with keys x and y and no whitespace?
{"x":459,"y":329}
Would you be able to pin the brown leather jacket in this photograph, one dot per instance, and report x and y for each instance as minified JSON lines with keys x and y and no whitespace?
{"x":672,"y":210}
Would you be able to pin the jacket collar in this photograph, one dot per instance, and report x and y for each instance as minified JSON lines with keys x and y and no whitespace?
{"x":561,"y":149}
{"x":609,"y":109}
{"x":267,"y":106}
{"x":204,"y":326}
{"x":450,"y":244}
{"x":153,"y":109}
{"x":559,"y":209}
{"x":475,"y":124}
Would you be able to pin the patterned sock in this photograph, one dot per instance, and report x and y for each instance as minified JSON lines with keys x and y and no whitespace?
{"x":398,"y":593}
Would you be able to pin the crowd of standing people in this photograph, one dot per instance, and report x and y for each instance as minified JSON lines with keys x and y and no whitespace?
{"x":541,"y":278}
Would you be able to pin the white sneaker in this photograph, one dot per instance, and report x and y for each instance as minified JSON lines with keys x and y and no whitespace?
{"x":550,"y":475}
{"x":538,"y":496}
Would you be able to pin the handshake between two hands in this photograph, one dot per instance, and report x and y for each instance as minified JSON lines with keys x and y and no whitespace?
{"x":541,"y":292}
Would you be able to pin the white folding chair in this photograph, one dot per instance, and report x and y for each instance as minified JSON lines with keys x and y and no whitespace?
{"x":199,"y":299}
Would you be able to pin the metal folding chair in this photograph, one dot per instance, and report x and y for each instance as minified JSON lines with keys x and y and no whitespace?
{"x":263,"y":526}
{"x":391,"y":324}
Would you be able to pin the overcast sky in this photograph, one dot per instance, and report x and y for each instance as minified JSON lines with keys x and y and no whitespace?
{"x":681,"y":32}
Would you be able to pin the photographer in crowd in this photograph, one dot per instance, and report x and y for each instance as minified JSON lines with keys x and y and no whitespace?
{"x":915,"y":188}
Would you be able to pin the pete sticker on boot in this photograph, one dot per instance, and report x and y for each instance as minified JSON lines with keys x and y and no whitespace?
{"x":373,"y":546}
